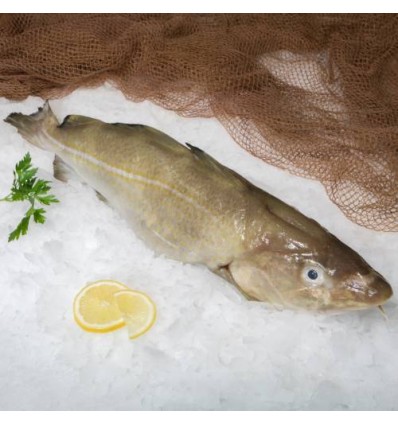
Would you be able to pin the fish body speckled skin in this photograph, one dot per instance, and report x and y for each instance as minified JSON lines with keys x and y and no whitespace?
{"x":185,"y":204}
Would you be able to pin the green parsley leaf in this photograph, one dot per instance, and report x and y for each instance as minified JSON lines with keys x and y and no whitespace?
{"x":21,"y":229}
{"x":38,"y":216}
{"x":27,"y":187}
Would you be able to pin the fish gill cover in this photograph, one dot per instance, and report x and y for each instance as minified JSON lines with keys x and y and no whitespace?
{"x":314,"y":94}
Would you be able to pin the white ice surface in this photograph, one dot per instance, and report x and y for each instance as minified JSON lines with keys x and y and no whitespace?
{"x":210,"y":349}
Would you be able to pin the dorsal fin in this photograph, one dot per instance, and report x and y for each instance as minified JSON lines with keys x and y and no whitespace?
{"x":195,"y":150}
{"x":76,"y":120}
{"x":222,"y":169}
{"x":129,"y":125}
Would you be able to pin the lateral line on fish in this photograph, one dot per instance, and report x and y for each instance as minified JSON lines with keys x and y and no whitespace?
{"x":125,"y":174}
{"x":162,"y":238}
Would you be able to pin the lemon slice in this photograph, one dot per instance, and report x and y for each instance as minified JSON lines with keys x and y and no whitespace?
{"x":95,"y":309}
{"x":137,"y":310}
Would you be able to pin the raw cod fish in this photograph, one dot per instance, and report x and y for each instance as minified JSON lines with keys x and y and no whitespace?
{"x":186,"y":205}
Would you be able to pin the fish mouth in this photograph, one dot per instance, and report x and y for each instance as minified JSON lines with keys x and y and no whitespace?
{"x":383,"y":292}
{"x":369,"y":291}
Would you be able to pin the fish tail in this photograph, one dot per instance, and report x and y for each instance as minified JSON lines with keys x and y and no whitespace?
{"x":34,"y":127}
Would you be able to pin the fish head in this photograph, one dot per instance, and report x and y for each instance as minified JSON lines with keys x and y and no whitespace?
{"x":327,"y":276}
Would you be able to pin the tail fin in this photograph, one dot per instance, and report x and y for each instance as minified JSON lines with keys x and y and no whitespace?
{"x":34,"y":127}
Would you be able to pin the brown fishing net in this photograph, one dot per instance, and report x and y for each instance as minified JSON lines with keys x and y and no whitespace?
{"x":314,"y":94}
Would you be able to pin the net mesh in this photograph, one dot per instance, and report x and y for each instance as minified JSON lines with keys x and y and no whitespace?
{"x":314,"y":94}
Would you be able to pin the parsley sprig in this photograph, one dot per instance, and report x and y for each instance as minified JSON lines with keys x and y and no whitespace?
{"x":27,"y":187}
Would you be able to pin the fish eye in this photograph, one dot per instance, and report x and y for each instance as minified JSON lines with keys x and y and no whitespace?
{"x":313,"y":274}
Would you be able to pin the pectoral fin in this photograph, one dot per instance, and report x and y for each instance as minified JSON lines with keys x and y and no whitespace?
{"x":256,"y":283}
{"x":225,"y":273}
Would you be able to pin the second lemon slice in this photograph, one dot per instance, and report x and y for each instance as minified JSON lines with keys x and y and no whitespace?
{"x":138,"y":311}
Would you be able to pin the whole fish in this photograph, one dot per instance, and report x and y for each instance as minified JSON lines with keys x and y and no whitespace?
{"x":185,"y":204}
